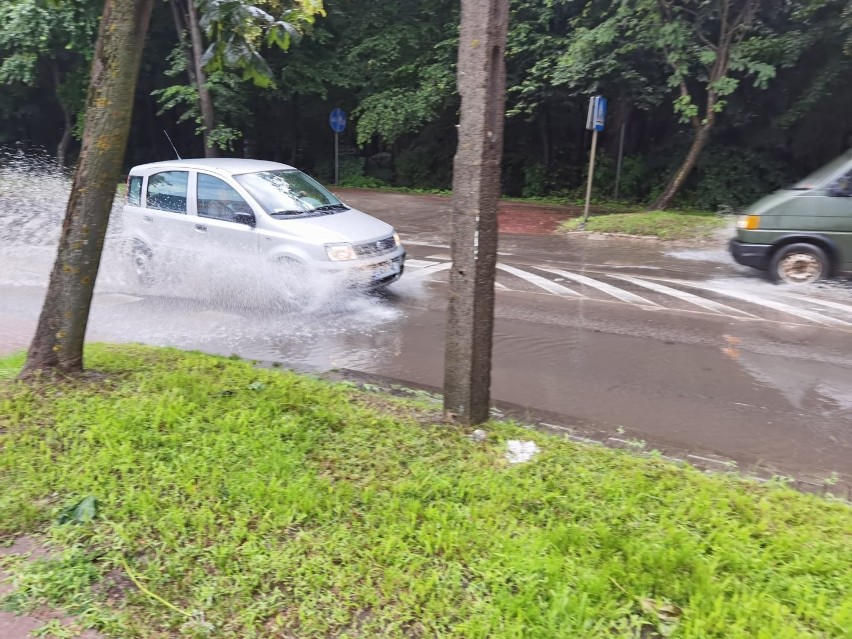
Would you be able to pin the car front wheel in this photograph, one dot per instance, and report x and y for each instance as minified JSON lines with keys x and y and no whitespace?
{"x":799,"y":264}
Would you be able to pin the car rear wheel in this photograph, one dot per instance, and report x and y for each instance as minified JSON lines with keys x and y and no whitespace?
{"x":799,"y":264}
{"x":142,"y":260}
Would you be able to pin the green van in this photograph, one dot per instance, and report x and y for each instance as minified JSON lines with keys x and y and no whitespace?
{"x":803,"y":233}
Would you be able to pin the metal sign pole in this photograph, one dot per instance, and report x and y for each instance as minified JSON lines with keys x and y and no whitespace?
{"x":337,"y":120}
{"x":591,"y":175}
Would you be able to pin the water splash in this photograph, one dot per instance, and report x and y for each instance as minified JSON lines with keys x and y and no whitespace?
{"x":216,"y":300}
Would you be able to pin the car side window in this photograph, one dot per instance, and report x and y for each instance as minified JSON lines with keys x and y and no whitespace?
{"x":134,"y":190}
{"x":219,"y":200}
{"x":167,"y":191}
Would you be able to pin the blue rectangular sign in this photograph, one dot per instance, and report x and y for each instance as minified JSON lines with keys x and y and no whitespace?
{"x":597,"y":113}
{"x":600,"y":113}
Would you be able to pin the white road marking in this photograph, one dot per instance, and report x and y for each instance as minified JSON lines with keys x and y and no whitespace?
{"x":439,"y":256}
{"x":419,"y":263}
{"x":609,"y":289}
{"x":115,"y":299}
{"x":430,"y":244}
{"x":541,"y":282}
{"x":429,"y":270}
{"x":820,"y":302}
{"x":761,"y":301}
{"x":500,"y":287}
{"x":709,"y":305}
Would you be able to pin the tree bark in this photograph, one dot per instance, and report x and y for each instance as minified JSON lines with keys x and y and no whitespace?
{"x":476,"y":190}
{"x":58,"y":341}
{"x":205,"y":98}
{"x":689,"y":162}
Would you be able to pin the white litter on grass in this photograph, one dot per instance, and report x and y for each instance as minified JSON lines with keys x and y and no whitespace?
{"x":519,"y":452}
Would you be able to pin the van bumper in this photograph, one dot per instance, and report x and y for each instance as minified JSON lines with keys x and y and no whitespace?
{"x":754,"y":255}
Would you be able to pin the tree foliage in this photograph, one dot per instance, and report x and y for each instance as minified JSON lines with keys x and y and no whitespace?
{"x":774,"y":96}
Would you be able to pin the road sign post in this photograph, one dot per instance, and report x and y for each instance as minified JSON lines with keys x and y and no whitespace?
{"x":337,"y":121}
{"x":594,"y":123}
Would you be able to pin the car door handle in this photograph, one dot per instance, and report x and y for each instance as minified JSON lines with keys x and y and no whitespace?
{"x":147,"y":218}
{"x":201,"y":228}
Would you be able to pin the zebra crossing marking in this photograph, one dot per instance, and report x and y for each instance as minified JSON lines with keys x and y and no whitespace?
{"x":541,"y":282}
{"x":768,"y":303}
{"x":706,"y":304}
{"x":664,"y":286}
{"x":614,"y":291}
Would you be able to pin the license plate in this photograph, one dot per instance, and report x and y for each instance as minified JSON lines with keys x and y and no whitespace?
{"x":385,"y":270}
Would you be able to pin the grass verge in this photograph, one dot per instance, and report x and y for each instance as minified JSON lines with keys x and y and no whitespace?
{"x":666,"y":225}
{"x":204,"y":497}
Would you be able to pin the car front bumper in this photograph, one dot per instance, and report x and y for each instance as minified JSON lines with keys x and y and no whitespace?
{"x":754,"y":255}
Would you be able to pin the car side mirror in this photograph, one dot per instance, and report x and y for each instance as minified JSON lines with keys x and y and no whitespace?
{"x":245,"y":218}
{"x":841,"y":188}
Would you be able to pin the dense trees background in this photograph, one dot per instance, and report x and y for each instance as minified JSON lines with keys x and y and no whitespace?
{"x":765,"y":84}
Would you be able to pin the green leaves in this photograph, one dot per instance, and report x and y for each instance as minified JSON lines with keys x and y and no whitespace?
{"x":238,"y":29}
{"x":82,"y":512}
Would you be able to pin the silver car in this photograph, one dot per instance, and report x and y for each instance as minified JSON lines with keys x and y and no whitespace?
{"x":252,"y":209}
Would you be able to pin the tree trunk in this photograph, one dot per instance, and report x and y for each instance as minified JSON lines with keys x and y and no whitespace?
{"x":476,"y":190}
{"x":702,"y":135}
{"x":65,"y":141}
{"x":179,"y":15}
{"x":58,"y":341}
{"x":205,"y":98}
{"x":544,"y":135}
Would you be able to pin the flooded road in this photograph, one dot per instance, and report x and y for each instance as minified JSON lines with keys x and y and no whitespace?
{"x":642,"y":342}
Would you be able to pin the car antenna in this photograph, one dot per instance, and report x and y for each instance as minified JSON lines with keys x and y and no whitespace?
{"x":173,"y":145}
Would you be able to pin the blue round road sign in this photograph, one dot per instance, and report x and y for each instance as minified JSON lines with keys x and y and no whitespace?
{"x":337,"y":120}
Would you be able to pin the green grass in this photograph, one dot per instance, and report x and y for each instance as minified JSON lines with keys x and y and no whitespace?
{"x":260,"y":503}
{"x":667,"y":225}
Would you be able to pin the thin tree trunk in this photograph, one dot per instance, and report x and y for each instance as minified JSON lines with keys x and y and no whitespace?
{"x":544,"y":135}
{"x":205,"y":99}
{"x":58,"y":341}
{"x":65,"y":141}
{"x":179,"y":14}
{"x":702,"y":136}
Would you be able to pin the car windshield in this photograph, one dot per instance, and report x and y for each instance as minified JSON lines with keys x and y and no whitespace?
{"x":822,"y":174}
{"x":290,"y":193}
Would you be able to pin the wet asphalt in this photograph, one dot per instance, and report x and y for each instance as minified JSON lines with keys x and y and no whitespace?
{"x":645,"y":344}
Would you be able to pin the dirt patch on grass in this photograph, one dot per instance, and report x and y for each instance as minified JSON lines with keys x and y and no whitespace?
{"x":43,"y":619}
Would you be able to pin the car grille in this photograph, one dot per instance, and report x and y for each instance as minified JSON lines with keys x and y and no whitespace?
{"x":372,"y":249}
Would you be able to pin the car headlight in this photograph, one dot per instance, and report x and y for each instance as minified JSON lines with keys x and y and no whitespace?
{"x":396,"y":239}
{"x":748,"y":222}
{"x":340,"y":252}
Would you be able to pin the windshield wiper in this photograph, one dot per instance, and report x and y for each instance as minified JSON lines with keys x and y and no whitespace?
{"x":332,"y":207}
{"x":286,"y":212}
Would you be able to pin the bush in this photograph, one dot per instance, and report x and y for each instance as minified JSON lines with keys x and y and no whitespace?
{"x":362,"y":182}
{"x":728,"y":177}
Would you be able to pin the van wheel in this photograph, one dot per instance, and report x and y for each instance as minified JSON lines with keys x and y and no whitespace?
{"x":143,"y":264}
{"x":798,"y":264}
